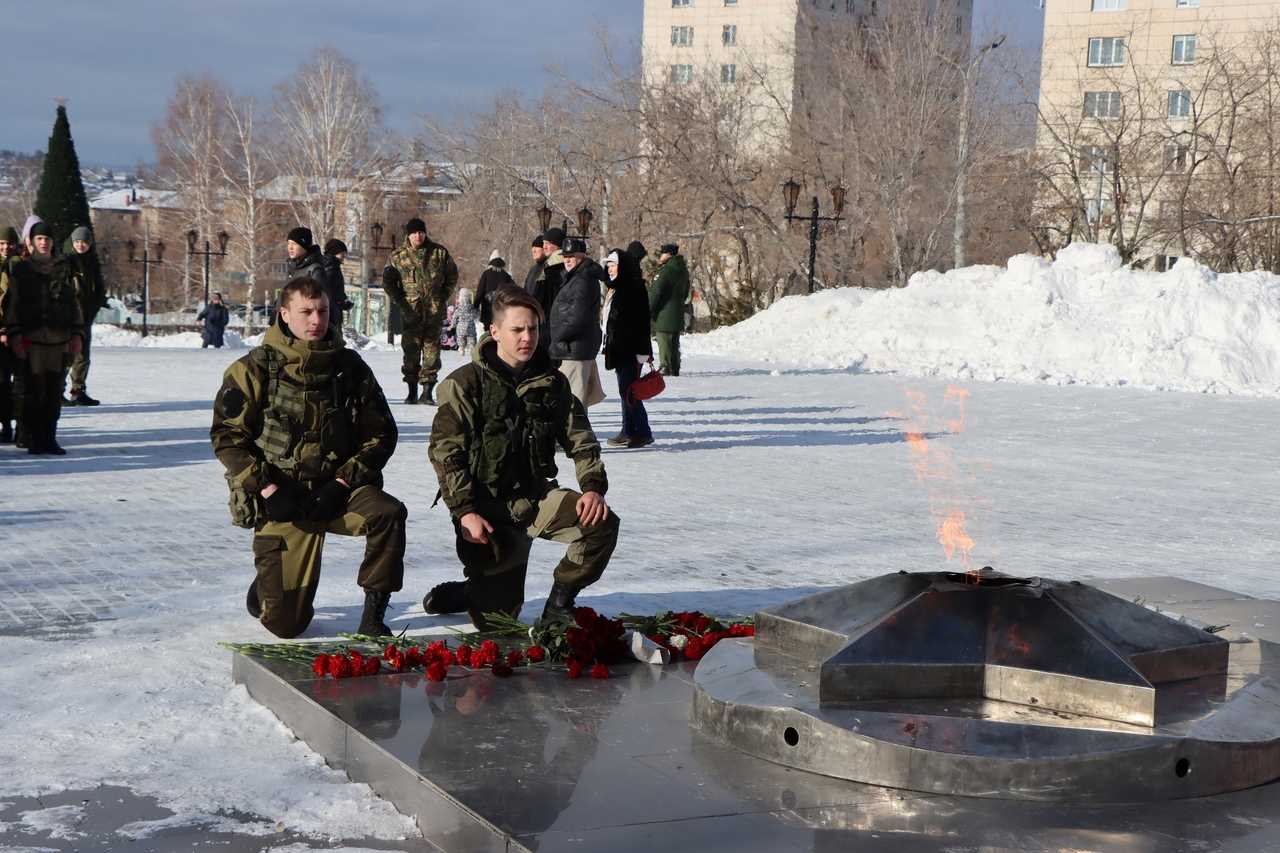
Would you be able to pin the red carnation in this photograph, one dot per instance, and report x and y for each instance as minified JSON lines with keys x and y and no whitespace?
{"x":340,"y":666}
{"x":436,"y":671}
{"x":693,"y":649}
{"x":585,"y":617}
{"x":574,"y":667}
{"x":464,"y":655}
{"x":515,"y":657}
{"x":320,"y":665}
{"x":389,"y":651}
{"x":599,"y":671}
{"x":501,"y":670}
{"x":536,"y":654}
{"x":371,"y":666}
{"x":357,"y":660}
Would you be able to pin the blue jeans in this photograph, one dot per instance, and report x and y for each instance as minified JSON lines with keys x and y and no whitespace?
{"x":635,"y":420}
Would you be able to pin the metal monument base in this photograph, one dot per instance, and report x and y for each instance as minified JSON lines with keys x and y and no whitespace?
{"x":539,"y":762}
{"x":984,"y":685}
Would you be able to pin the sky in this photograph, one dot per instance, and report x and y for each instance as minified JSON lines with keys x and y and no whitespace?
{"x":116,"y":63}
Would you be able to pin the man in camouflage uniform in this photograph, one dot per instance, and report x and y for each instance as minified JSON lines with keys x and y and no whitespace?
{"x":40,"y":321}
{"x":493,"y":446}
{"x":304,"y":432}
{"x":421,"y":277}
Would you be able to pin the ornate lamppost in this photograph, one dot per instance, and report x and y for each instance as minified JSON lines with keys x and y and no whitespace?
{"x":585,"y":218}
{"x":146,"y":262}
{"x":193,"y":238}
{"x":791,"y":195}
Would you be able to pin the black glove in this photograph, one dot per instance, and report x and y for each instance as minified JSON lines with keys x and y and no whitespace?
{"x":285,"y":503}
{"x":328,"y":502}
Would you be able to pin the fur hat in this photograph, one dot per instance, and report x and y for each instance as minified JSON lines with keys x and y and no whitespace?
{"x":537,"y":241}
{"x":637,"y":250}
{"x":669,"y":249}
{"x":301,"y":236}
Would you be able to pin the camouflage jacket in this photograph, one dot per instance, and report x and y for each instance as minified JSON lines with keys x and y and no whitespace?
{"x":40,"y":301}
{"x":426,"y":276}
{"x":308,"y":412}
{"x":494,"y":438}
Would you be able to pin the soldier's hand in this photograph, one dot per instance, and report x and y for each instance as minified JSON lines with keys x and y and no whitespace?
{"x":475,"y":529}
{"x":592,"y":509}
{"x":283,"y":501}
{"x":329,"y":501}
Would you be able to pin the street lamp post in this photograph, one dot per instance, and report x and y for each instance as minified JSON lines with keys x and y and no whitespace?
{"x":375,"y":245}
{"x":585,"y":218}
{"x":193,"y":237}
{"x":791,"y":195}
{"x":146,"y":262}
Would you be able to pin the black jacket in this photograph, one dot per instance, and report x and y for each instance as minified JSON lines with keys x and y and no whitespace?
{"x":575,"y":314}
{"x":627,"y":329}
{"x":492,"y":280}
{"x":324,"y":269}
{"x":215,"y":316}
{"x":544,"y":282}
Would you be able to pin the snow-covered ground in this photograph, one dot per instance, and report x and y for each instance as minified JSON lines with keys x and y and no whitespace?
{"x":119,"y":570}
{"x":1082,"y":319}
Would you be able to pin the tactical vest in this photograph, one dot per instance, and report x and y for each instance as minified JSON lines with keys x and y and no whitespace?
{"x":420,"y":278}
{"x":515,"y":451}
{"x":300,"y":453}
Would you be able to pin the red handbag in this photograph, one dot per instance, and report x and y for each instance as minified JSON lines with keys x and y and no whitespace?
{"x":647,"y":386}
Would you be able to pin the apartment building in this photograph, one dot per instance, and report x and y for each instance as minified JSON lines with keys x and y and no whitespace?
{"x":763,"y":45}
{"x":1123,"y":76}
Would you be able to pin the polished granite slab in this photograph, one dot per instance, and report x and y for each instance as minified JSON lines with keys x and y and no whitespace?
{"x":540,"y":762}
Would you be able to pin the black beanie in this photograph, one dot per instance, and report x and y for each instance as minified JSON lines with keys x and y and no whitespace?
{"x":637,"y":250}
{"x":335,"y":247}
{"x":301,"y":236}
{"x":10,"y":235}
{"x":670,"y":249}
{"x":537,"y":241}
{"x":554,"y":236}
{"x":40,"y":229}
{"x":414,"y":226}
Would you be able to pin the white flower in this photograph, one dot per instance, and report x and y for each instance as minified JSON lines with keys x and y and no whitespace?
{"x":678,"y":641}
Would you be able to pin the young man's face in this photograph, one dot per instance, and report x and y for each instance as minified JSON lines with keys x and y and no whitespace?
{"x":516,"y":332}
{"x":4,"y":248}
{"x":417,"y":238}
{"x":81,"y":246}
{"x":307,"y":319}
{"x":295,"y":250}
{"x":537,"y":253}
{"x":41,"y":245}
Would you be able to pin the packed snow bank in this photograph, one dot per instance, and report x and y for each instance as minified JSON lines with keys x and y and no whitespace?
{"x":1083,"y":318}
{"x":115,"y":336}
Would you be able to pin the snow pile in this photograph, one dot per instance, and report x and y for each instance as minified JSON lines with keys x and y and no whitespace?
{"x":115,"y":336}
{"x":1083,"y":318}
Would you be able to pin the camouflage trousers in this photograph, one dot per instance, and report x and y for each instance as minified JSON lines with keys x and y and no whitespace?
{"x":420,"y":341}
{"x":287,"y":557}
{"x":80,"y":363}
{"x":496,"y":572}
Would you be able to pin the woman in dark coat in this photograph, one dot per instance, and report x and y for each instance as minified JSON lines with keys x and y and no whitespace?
{"x":627,"y":342}
{"x":215,"y":317}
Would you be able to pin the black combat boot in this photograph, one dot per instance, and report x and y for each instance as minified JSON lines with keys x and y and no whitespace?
{"x":447,"y":597}
{"x":427,"y":398}
{"x":372,"y":621}
{"x":559,"y":604}
{"x":251,"y":601}
{"x":80,"y":398}
{"x":6,"y":432}
{"x":413,"y":394}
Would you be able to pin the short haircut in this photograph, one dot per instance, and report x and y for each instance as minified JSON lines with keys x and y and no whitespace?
{"x":307,"y":288}
{"x":512,"y":297}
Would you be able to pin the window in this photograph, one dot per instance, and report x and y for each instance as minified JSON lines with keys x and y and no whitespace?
{"x":1180,"y":103}
{"x":1101,"y":104}
{"x":731,"y":2}
{"x":729,"y":35}
{"x":681,"y":36}
{"x":1175,"y":157}
{"x":1184,"y":50}
{"x":1164,"y":263}
{"x":1186,"y":4}
{"x":728,"y":74}
{"x":682,"y":74}
{"x":681,"y":4}
{"x":1110,"y":5}
{"x":1105,"y":52}
{"x":1093,"y":158}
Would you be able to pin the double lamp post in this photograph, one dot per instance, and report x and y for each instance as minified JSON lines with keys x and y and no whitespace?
{"x":790,"y":197}
{"x":585,"y":217}
{"x":193,"y":239}
{"x":146,"y":261}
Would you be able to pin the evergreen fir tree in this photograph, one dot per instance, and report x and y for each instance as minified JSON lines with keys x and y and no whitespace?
{"x":61,"y":201}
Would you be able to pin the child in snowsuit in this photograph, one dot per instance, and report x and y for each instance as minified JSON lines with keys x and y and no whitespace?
{"x":464,"y":320}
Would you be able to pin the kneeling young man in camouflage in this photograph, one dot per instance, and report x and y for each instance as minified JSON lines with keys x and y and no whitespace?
{"x":304,"y":432}
{"x":493,"y":446}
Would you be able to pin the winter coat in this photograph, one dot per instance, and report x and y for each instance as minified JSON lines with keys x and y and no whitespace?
{"x":320,"y":415}
{"x":492,"y":280}
{"x":315,"y":264}
{"x":575,"y":316}
{"x":668,"y":293}
{"x":494,"y":437}
{"x":546,"y":283}
{"x":86,"y":272}
{"x":627,"y":327}
{"x":215,"y":316}
{"x":40,"y":301}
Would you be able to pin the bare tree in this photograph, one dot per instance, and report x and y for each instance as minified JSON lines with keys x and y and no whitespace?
{"x":244,"y":174}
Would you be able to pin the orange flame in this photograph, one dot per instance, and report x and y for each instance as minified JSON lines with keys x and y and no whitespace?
{"x":953,"y":537}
